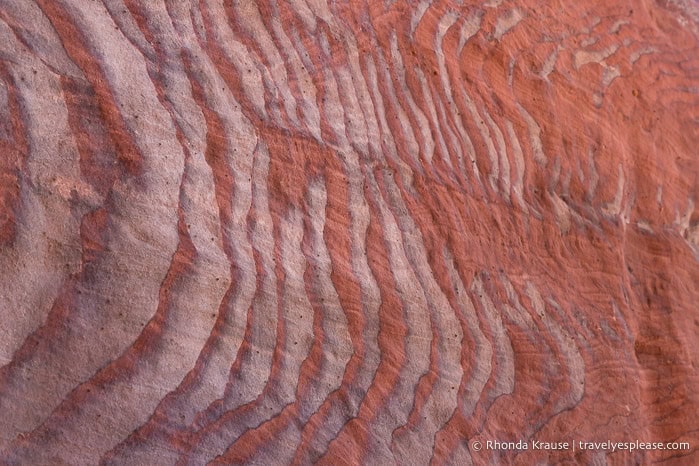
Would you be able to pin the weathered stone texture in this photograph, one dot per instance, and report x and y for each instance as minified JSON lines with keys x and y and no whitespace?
{"x":348,"y":232}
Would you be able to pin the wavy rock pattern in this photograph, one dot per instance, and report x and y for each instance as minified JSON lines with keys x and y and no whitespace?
{"x":353,"y":232}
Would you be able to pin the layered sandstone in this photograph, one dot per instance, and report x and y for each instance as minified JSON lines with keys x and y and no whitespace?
{"x":261,"y":232}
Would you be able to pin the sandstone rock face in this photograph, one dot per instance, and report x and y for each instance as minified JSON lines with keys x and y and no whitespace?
{"x":262,"y":232}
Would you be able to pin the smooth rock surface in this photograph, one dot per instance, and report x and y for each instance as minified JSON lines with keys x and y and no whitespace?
{"x":363,"y":232}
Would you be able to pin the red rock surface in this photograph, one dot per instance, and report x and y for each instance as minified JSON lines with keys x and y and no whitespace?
{"x":353,"y":232}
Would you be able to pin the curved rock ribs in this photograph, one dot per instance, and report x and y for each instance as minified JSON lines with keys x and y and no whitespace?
{"x":347,"y":233}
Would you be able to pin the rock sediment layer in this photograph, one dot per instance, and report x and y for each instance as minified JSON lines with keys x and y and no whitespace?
{"x":347,"y":233}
